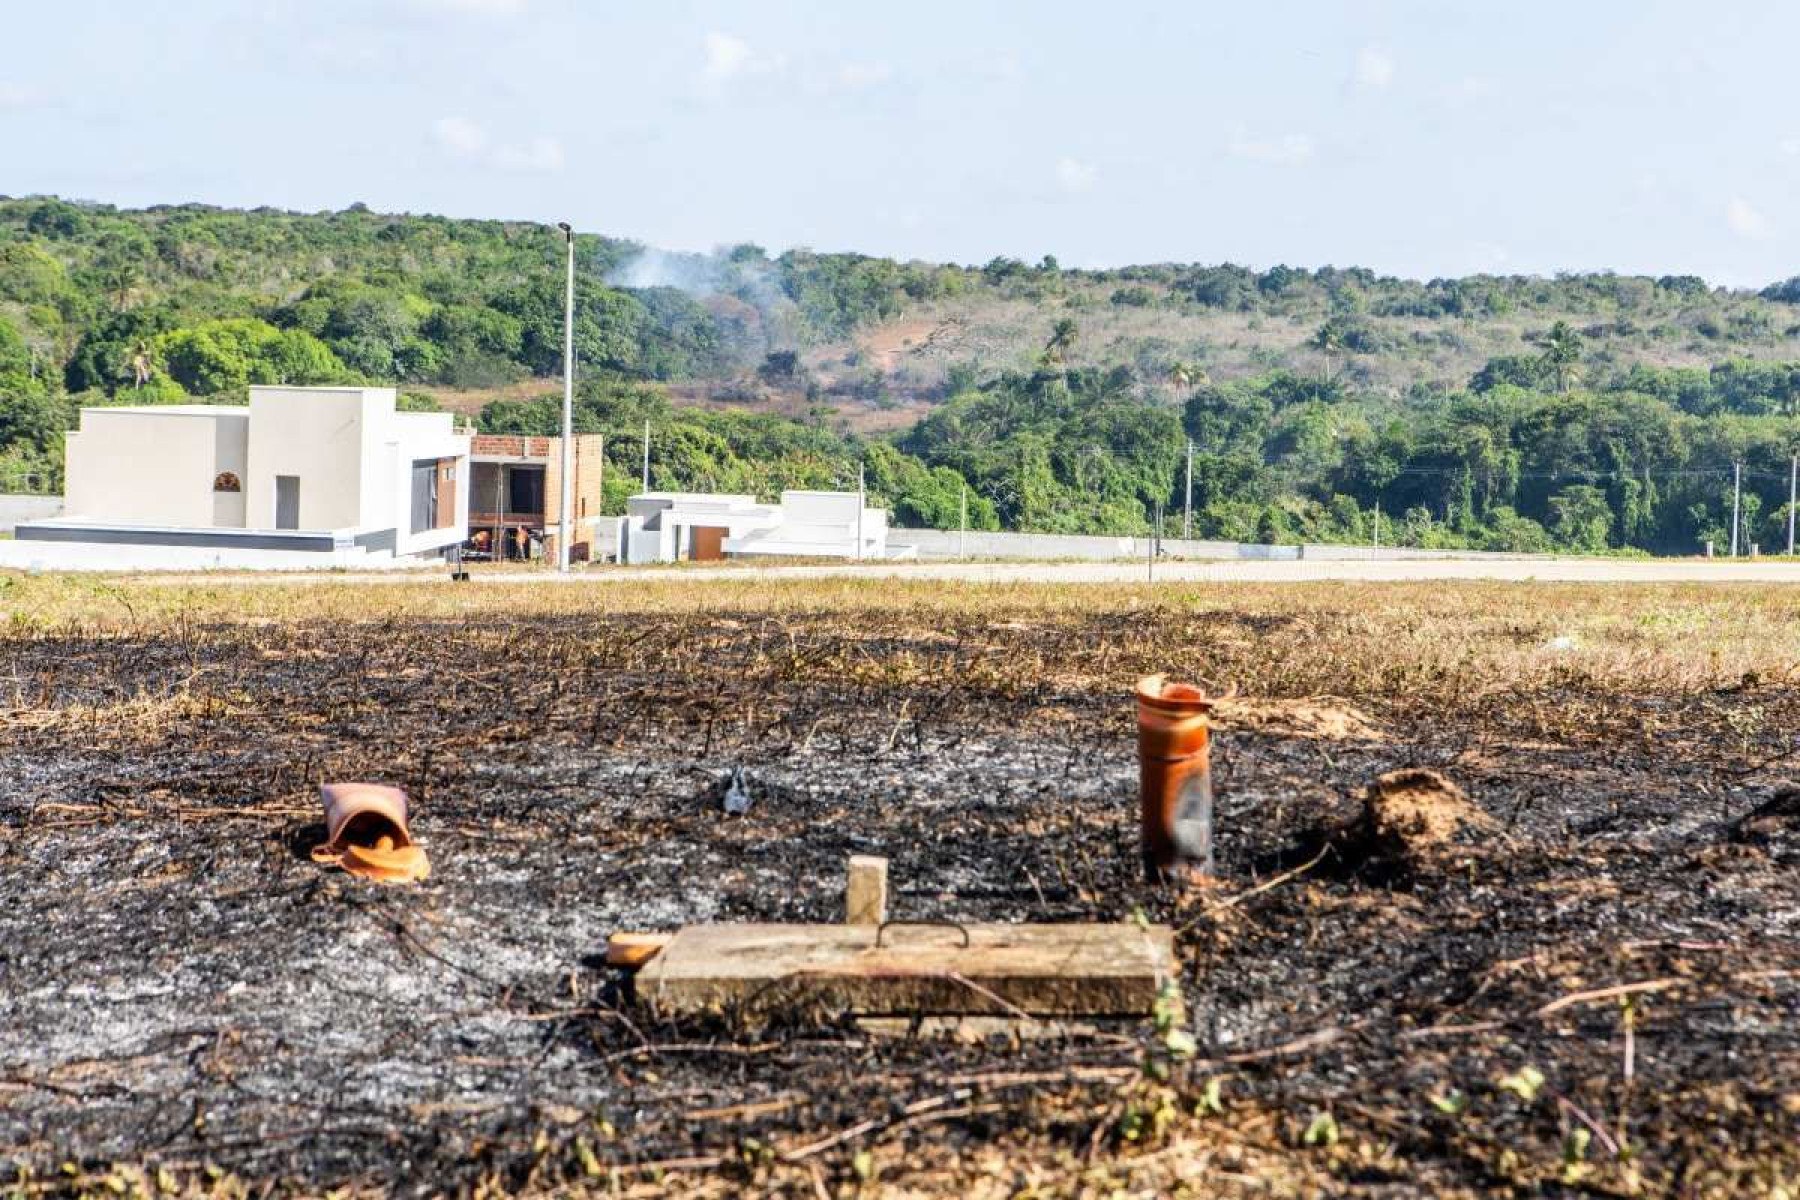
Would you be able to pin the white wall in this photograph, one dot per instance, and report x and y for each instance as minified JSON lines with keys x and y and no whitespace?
{"x":135,"y":466}
{"x":414,"y":436}
{"x":318,"y":435}
{"x":230,"y":449}
{"x":16,"y":510}
{"x":351,"y":451}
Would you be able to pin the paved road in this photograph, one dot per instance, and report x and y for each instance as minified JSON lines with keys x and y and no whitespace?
{"x":1562,"y":570}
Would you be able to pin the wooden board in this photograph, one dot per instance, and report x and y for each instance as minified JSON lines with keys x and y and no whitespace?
{"x":865,"y":890}
{"x":828,"y":970}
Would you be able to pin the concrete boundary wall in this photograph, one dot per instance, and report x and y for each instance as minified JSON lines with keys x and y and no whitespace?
{"x":91,"y":556}
{"x":211,"y":539}
{"x":18,"y":510}
{"x":937,"y":545}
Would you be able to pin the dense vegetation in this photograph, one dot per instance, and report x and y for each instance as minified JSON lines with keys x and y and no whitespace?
{"x":1588,"y":412}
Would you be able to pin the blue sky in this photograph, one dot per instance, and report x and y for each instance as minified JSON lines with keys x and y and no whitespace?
{"x":1419,"y":138}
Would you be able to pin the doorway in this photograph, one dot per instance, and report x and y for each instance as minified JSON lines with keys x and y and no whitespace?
{"x":706,"y":543}
{"x":287,"y":502}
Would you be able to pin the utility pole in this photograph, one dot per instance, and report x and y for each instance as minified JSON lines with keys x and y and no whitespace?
{"x":1187,"y":510}
{"x":564,"y":528}
{"x":860,"y":503}
{"x":962,"y":529}
{"x":1793,"y":478}
{"x":1737,"y":489}
{"x":1377,"y":524}
{"x":646,"y":454}
{"x":1154,"y":542}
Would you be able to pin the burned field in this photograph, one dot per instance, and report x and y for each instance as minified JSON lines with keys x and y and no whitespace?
{"x":1583,"y":975}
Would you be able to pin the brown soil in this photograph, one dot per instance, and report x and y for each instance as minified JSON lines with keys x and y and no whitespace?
{"x":1411,"y":816}
{"x":1317,"y":717}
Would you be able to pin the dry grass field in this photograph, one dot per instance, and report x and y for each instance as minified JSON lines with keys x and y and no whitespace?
{"x":1590,"y":985}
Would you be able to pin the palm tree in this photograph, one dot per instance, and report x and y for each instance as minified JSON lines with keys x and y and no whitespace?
{"x":139,"y":363}
{"x":1062,"y":340}
{"x":120,"y":276}
{"x":1184,"y":375}
{"x":1328,"y":341}
{"x":1562,"y":353}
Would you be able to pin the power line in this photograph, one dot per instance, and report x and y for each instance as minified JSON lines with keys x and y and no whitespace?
{"x":1648,"y":472}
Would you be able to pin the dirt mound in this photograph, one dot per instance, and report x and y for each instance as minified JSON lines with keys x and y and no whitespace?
{"x":1778,"y":817}
{"x":1409,"y":818}
{"x":1322,"y":717}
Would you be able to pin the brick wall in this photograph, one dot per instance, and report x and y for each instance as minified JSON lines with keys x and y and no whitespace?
{"x":507,"y":445}
{"x":588,"y":458}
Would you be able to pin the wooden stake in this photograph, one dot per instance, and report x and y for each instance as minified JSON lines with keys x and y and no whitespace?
{"x":865,"y":892}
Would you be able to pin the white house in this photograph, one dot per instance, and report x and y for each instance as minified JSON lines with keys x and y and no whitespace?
{"x":674,"y":526}
{"x":302,"y":476}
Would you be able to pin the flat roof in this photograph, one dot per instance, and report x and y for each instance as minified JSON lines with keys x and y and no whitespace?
{"x":174,"y":410}
{"x":321,"y":387}
{"x":702,"y":496}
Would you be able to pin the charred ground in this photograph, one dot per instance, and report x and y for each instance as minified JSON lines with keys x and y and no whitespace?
{"x":1597,"y":987}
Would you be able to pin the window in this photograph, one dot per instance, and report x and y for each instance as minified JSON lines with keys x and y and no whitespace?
{"x":424,"y":494}
{"x":227,"y":481}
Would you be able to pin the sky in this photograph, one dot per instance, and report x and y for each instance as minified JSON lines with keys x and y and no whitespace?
{"x":1420,"y":138}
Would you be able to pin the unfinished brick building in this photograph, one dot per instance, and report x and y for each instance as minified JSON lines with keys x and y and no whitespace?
{"x":515,"y":484}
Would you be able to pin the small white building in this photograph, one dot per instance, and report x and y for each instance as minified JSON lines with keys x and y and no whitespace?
{"x":302,"y":476}
{"x":699,"y":526}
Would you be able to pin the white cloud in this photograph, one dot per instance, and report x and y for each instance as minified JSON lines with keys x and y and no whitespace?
{"x":1288,"y":150}
{"x":461,"y":137}
{"x":730,"y":60}
{"x":1745,"y":220}
{"x":1073,"y":175}
{"x":1791,"y":147}
{"x":469,"y":141}
{"x":1374,"y":67}
{"x":726,"y":56}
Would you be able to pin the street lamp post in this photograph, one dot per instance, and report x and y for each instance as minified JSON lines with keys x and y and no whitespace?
{"x":567,"y":501}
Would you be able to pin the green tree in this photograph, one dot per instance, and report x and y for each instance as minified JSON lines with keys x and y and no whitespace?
{"x":218,"y":356}
{"x":1583,"y":518}
{"x":1328,"y":340}
{"x":1061,"y":341}
{"x":1562,"y":353}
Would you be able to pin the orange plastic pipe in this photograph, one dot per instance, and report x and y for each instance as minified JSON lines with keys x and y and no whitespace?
{"x":1174,"y":780}
{"x":366,"y":833}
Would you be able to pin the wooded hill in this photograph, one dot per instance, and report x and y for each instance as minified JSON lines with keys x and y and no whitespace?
{"x":1589,"y":412}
